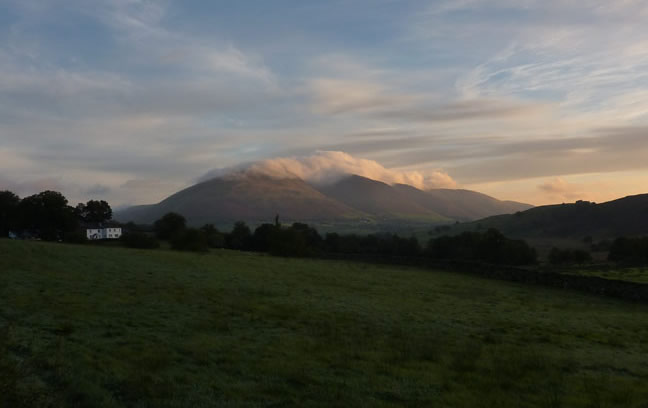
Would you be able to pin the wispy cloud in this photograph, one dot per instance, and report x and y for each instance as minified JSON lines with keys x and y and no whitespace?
{"x":560,"y":189}
{"x":100,"y":93}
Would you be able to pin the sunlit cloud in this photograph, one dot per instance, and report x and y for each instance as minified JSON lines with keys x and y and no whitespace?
{"x":326,"y":167}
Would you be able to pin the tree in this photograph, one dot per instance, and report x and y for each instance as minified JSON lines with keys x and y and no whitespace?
{"x":8,"y":212}
{"x":170,"y":225}
{"x":240,"y":237}
{"x":94,"y":211}
{"x":47,"y":215}
{"x":215,"y":238}
{"x":311,"y":236}
{"x":263,"y":236}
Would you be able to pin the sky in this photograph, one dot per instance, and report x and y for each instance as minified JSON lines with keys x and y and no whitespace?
{"x":540,"y":101}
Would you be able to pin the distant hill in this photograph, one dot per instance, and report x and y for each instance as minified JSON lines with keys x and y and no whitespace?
{"x":623,"y":217}
{"x":255,"y":197}
{"x":250,"y":197}
{"x":379,"y":199}
{"x":461,"y":205}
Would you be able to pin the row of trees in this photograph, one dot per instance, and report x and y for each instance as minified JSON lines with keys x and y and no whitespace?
{"x":303,"y":240}
{"x":569,"y":256}
{"x":490,"y":246}
{"x":629,"y":250}
{"x":47,"y":215}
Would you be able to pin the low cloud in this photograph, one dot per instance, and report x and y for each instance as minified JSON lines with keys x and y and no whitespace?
{"x":559,"y":188}
{"x":327,"y":167}
{"x":32,"y":186}
{"x":97,"y":190}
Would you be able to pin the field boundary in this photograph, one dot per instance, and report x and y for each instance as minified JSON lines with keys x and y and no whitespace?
{"x":625,"y":290}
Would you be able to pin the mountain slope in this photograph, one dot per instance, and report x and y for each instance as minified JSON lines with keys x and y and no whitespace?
{"x":626,"y":216}
{"x":459,"y":205}
{"x":255,"y":197}
{"x":378,"y":198}
{"x":250,"y":197}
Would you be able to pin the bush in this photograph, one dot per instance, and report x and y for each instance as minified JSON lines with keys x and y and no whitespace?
{"x":139,"y":240}
{"x":190,"y":239}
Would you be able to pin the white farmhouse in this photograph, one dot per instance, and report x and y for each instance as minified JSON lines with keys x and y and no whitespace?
{"x":103,"y":233}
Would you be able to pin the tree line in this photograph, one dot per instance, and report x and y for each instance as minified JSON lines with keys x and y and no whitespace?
{"x":632,"y":251}
{"x":48,"y":216}
{"x":302,"y":240}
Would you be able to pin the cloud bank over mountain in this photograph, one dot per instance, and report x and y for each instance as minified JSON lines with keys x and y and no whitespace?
{"x":139,"y":97}
{"x":326,"y":167}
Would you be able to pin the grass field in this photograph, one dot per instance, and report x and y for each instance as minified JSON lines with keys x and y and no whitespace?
{"x":630,"y":274}
{"x":88,"y":326}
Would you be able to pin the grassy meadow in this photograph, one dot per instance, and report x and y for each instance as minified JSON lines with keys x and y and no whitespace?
{"x":87,"y":326}
{"x":631,"y":274}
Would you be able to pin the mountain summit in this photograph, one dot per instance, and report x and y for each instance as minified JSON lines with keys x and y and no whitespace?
{"x":255,"y":197}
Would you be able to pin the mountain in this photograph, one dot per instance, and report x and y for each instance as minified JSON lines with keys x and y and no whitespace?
{"x":379,"y":199}
{"x":254,"y":197}
{"x":405,"y":201}
{"x":250,"y":197}
{"x":623,"y":217}
{"x":461,"y":205}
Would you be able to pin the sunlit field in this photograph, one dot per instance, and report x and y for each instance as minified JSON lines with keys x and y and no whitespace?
{"x":89,"y":326}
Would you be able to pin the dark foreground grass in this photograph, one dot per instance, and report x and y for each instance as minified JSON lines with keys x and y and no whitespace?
{"x":109,"y":327}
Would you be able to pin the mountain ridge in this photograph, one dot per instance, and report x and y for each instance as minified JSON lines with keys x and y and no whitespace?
{"x":626,"y":216}
{"x":255,"y":197}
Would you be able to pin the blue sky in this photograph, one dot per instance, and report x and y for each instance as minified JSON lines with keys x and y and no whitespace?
{"x":130,"y":100}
